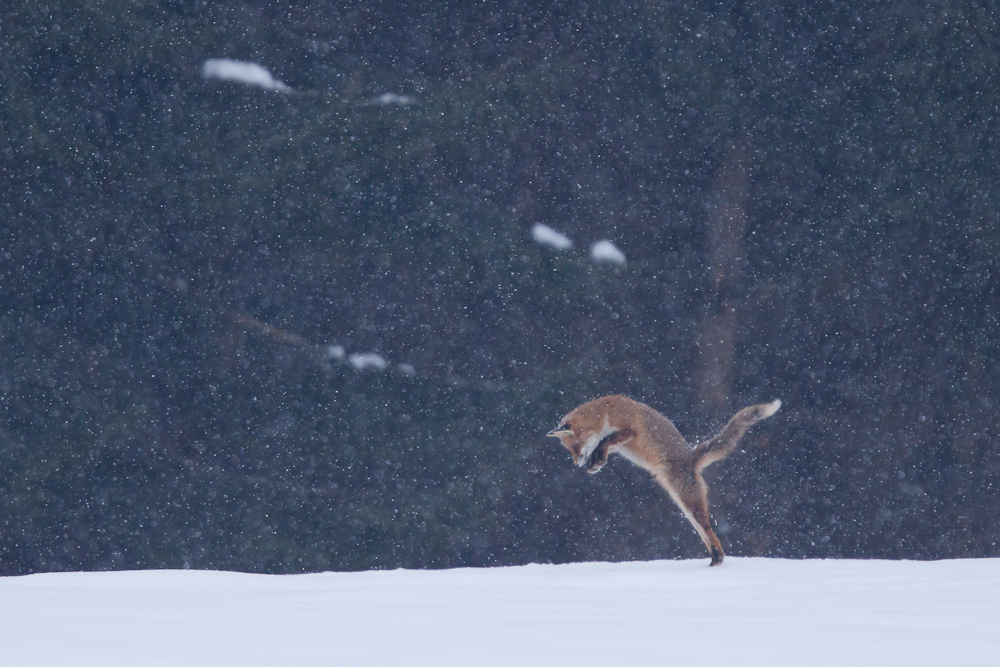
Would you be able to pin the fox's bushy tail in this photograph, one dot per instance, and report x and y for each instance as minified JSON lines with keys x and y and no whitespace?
{"x":723,"y":444}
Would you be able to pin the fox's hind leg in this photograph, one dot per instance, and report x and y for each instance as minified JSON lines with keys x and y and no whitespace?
{"x":694,"y":498}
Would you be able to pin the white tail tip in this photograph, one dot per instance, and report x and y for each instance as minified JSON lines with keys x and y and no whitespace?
{"x":771,"y":408}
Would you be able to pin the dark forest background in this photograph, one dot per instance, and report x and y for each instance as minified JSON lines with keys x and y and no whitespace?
{"x":806,"y":194}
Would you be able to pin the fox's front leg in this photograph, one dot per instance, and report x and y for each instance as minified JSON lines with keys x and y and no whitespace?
{"x":606,"y":448}
{"x":598,"y":458}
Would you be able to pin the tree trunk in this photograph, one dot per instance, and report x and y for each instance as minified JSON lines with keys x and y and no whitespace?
{"x":713,"y":375}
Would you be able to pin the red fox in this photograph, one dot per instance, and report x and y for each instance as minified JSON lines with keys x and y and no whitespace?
{"x":617,"y":424}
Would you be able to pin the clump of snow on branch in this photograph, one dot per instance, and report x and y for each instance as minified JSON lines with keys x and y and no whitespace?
{"x":547,"y":236}
{"x":392,"y":99}
{"x":365,"y":360}
{"x":606,"y":251}
{"x":240,"y":71}
{"x":361,"y":361}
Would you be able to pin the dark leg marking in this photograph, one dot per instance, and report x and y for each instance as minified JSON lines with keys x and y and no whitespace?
{"x":716,"y":555}
{"x":600,"y":454}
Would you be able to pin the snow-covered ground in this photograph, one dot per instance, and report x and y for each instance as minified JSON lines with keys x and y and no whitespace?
{"x":749,"y":611}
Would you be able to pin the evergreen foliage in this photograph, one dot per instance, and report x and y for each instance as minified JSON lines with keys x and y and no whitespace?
{"x":177,"y":253}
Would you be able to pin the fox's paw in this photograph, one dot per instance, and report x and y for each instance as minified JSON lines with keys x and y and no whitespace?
{"x":717,"y":556}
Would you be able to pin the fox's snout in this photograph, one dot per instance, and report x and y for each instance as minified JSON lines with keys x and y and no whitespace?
{"x":571,"y":444}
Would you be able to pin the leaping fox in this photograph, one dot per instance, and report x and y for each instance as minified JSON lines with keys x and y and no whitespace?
{"x":618,"y":424}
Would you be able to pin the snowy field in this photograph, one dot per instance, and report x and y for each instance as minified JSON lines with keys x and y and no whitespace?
{"x":747,"y":612}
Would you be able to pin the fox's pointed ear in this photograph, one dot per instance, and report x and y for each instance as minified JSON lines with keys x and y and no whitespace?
{"x":557,"y":432}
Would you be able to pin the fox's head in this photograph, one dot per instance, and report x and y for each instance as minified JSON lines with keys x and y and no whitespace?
{"x":568,"y":438}
{"x":581,"y":440}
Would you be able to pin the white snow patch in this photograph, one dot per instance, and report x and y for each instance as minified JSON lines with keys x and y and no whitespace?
{"x":751,"y":612}
{"x":392,"y":99}
{"x":336,"y":352}
{"x":606,"y":251}
{"x":547,"y":236}
{"x":240,"y":71}
{"x":367,"y":360}
{"x":407,"y":369}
